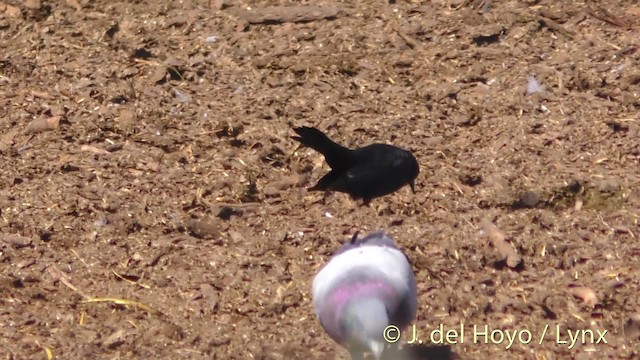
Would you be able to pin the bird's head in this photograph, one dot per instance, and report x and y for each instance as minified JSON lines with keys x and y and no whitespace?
{"x":413,"y":168}
{"x":365,"y":322}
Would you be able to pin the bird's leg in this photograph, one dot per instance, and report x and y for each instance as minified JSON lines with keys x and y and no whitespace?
{"x":326,"y":195}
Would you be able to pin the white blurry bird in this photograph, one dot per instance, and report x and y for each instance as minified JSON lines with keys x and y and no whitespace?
{"x":365,"y":287}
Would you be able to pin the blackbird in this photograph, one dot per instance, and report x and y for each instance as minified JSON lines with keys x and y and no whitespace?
{"x":364,"y":173}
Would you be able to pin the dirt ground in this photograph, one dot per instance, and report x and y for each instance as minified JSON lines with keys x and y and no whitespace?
{"x":153,"y":204}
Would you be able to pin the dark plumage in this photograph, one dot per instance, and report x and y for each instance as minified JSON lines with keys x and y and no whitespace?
{"x":364,"y":173}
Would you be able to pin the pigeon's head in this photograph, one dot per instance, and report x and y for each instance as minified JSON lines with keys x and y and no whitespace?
{"x":365,"y":321}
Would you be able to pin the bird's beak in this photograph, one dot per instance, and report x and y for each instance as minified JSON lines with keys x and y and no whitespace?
{"x":413,"y":186}
{"x":376,"y":348}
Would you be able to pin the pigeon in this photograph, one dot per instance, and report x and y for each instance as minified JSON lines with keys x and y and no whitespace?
{"x":364,"y":173}
{"x":365,"y":287}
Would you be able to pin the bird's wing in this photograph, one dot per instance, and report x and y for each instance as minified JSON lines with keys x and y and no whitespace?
{"x":363,"y":176}
{"x":379,"y":174}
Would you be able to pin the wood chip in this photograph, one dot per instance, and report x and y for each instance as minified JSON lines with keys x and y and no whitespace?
{"x":277,"y":187}
{"x":114,"y":340}
{"x":17,"y":241}
{"x":159,"y":74}
{"x":94,"y":150}
{"x":631,"y":328}
{"x":220,"y":4}
{"x":42,"y":95}
{"x":33,"y":4}
{"x":42,"y":124}
{"x":411,"y":42}
{"x":58,"y":275}
{"x":236,"y":237}
{"x":204,"y":228}
{"x":74,"y":4}
{"x":10,"y":10}
{"x":555,"y":27}
{"x":210,"y":295}
{"x":497,"y":239}
{"x":281,"y":14}
{"x":586,"y":294}
{"x":605,"y":15}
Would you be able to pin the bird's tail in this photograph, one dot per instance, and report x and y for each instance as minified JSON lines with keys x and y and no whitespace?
{"x":335,"y":154}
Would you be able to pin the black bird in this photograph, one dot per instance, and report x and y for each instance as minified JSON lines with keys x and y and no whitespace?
{"x":365,"y":173}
